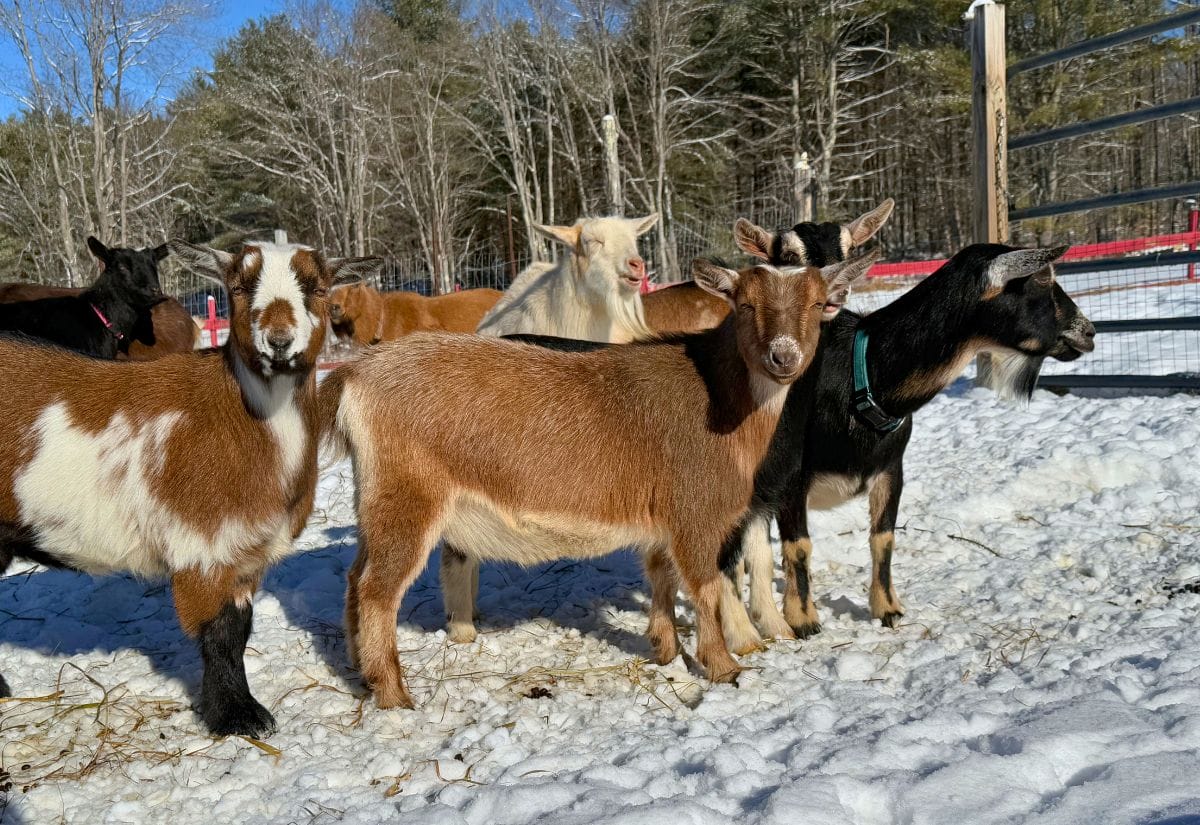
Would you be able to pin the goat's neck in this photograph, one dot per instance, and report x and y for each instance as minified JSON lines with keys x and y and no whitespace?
{"x":734,"y":387}
{"x":116,"y":309}
{"x":269,"y":398}
{"x":916,"y":349}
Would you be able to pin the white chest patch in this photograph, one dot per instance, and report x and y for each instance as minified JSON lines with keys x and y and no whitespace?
{"x":89,"y":500}
{"x":274,"y":401}
{"x":480,"y":528}
{"x":831,"y":490}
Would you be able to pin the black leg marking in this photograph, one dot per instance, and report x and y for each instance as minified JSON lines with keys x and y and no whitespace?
{"x":5,"y":690}
{"x":885,"y":568}
{"x":225,"y":701}
{"x":731,"y":548}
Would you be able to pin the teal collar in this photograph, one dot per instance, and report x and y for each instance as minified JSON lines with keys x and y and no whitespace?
{"x":864,"y":403}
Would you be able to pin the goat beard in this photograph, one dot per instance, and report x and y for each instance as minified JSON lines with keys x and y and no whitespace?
{"x":1015,"y":375}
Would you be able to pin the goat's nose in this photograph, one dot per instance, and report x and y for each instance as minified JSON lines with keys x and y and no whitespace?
{"x":637,"y":267}
{"x":280,"y":340}
{"x":783,"y":356}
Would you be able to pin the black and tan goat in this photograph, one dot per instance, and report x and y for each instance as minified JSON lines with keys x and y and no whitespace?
{"x":652,"y":445}
{"x":200,"y":466}
{"x":875,"y":372}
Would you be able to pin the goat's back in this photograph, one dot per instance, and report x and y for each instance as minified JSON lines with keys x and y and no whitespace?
{"x":525,"y":304}
{"x":597,"y":433}
{"x":170,"y":326}
{"x":683,"y":307}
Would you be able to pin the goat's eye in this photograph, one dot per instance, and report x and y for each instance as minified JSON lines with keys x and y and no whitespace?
{"x":318,"y":293}
{"x":745,"y":307}
{"x":819,"y":305}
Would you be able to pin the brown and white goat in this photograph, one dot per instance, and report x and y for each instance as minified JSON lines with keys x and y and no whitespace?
{"x":592,"y":294}
{"x":652,"y":445}
{"x":366,"y":316}
{"x":198,"y":466}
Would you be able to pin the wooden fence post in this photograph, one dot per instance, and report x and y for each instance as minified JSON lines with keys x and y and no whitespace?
{"x":612,"y":166}
{"x":989,"y":118}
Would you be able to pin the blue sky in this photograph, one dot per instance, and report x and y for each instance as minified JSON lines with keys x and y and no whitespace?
{"x":228,"y":18}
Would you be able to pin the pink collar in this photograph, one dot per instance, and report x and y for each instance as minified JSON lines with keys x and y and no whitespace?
{"x":107,"y":323}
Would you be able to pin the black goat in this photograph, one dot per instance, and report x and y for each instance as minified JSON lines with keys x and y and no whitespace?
{"x":849,"y":436}
{"x":107,"y":313}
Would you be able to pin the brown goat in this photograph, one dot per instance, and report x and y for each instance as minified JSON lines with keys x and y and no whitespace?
{"x":652,"y":444}
{"x":366,"y":316}
{"x":172,"y":328}
{"x":684,"y":307}
{"x":198,"y":467}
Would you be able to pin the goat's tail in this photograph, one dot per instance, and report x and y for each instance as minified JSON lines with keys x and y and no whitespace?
{"x":334,"y":445}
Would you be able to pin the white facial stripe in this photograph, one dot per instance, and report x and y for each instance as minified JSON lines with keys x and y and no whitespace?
{"x":277,"y":281}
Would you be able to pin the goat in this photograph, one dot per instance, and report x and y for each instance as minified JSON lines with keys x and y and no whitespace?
{"x":199,"y":467}
{"x":987,"y":298}
{"x":687,"y":307}
{"x":362,"y":314}
{"x":684,"y":307}
{"x":166,"y":329}
{"x":592,"y":294}
{"x":652,"y":444}
{"x":99,"y":319}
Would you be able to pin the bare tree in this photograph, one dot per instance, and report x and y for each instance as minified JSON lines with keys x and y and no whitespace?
{"x":96,"y":75}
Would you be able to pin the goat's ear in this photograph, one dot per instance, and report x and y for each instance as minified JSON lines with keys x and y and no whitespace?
{"x":864,"y":227}
{"x":204,"y":259}
{"x":160,"y":252}
{"x":643,"y":225}
{"x":839,"y":279}
{"x":752,"y":239}
{"x":566,"y":235}
{"x":1024,"y":262}
{"x":99,"y":250}
{"x":349,"y":270}
{"x":715,"y":279}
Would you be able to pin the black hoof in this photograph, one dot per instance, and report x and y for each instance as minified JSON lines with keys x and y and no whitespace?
{"x":246,"y":719}
{"x":890,"y":619}
{"x":5,"y":690}
{"x":806,"y":631}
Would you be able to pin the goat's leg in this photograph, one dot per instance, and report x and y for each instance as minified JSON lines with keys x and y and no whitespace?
{"x":884,"y":500}
{"x":760,"y":563}
{"x":660,"y":571}
{"x":460,"y":583}
{"x":798,"y":608}
{"x":697,"y":565}
{"x":396,"y":534}
{"x":215,"y":607}
{"x":736,"y":626}
{"x":351,"y":610}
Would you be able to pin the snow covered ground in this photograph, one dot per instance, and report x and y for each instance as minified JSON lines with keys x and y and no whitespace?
{"x":1047,"y":669}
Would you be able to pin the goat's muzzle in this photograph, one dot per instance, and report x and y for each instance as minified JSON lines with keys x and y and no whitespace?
{"x":1078,"y":339}
{"x":783,"y":357}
